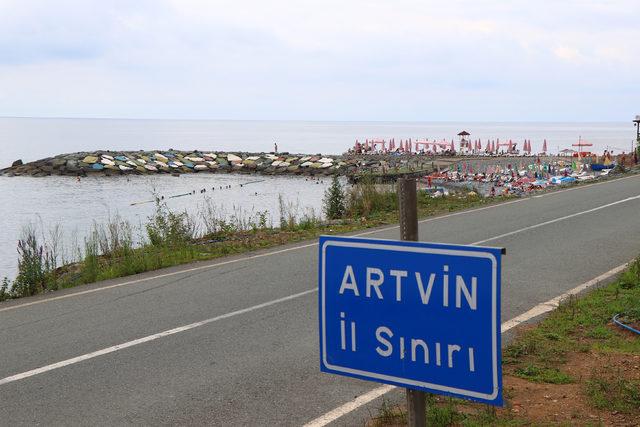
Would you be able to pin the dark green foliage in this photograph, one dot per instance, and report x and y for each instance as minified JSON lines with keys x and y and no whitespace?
{"x":334,"y":200}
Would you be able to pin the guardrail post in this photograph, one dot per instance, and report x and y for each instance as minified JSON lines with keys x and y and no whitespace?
{"x":408,"y":207}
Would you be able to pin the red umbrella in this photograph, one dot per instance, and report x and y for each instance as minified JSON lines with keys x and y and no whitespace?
{"x":510,"y":146}
{"x":493,"y":147}
{"x":453,"y":148}
{"x":544,"y":146}
{"x":488,"y":146}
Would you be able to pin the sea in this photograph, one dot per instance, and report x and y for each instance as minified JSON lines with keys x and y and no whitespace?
{"x":67,"y":208}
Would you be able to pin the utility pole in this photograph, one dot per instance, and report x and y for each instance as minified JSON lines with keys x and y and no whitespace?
{"x":636,"y":122}
{"x":408,"y":206}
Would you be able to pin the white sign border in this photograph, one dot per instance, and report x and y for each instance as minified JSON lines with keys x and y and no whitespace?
{"x":407,"y":381}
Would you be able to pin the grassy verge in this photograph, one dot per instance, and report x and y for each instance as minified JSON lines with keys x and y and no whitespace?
{"x":574,"y":368}
{"x":170,"y":238}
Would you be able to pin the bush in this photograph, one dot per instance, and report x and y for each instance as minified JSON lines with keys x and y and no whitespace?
{"x":169,"y":228}
{"x":334,"y":207}
{"x":36,"y":265}
{"x":5,"y":293}
{"x":366,"y":198}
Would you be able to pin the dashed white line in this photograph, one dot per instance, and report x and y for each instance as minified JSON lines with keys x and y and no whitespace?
{"x":148,"y":338}
{"x":562,"y":218}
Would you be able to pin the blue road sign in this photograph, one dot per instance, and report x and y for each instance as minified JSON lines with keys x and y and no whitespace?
{"x":419,"y":315}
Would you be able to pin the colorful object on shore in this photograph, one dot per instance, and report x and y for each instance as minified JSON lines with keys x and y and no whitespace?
{"x":90,"y":159}
{"x":519,"y":177}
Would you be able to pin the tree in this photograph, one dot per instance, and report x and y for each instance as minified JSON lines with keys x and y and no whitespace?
{"x":334,"y":206}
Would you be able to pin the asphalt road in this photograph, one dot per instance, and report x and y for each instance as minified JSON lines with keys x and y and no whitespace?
{"x":259,"y":364}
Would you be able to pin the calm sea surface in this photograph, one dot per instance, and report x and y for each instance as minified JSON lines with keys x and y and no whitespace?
{"x":48,"y":202}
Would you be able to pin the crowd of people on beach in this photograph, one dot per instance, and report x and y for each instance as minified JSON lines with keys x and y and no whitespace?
{"x":495,"y":178}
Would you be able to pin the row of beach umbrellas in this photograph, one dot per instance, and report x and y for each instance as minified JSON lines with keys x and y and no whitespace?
{"x":492,"y":146}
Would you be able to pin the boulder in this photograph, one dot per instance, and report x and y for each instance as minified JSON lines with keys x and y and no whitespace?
{"x":233,"y":158}
{"x":17,"y":163}
{"x":90,"y":159}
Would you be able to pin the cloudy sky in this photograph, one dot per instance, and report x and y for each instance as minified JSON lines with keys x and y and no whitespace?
{"x":321,"y":60}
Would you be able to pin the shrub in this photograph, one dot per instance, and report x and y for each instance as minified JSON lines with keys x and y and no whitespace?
{"x":169,"y":228}
{"x":5,"y":292}
{"x":334,"y":207}
{"x":366,"y":198}
{"x":36,"y":265}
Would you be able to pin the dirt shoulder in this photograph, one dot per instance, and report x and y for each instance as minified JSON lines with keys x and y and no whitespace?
{"x":576,"y":367}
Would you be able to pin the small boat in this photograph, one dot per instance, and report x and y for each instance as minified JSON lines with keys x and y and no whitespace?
{"x":600,"y":166}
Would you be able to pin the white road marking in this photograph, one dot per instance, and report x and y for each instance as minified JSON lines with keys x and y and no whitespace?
{"x":562,"y":218}
{"x":276,"y":252}
{"x":350,"y":406}
{"x":553,"y":303}
{"x":148,"y":338}
{"x":266,"y":304}
{"x":536,"y":311}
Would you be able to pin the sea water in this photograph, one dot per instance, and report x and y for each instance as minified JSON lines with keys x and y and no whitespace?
{"x":74,"y":206}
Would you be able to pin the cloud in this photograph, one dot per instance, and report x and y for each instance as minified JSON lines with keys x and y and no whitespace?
{"x":317,"y":59}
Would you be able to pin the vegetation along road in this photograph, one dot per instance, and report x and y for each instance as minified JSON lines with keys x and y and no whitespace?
{"x":234,"y":341}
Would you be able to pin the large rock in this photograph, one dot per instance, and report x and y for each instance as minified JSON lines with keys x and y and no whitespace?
{"x":58,"y":163}
{"x":17,"y":163}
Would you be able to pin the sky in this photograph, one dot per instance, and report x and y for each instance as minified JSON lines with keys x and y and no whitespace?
{"x":406,"y":60}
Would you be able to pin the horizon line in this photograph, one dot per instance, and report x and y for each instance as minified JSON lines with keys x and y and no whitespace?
{"x":306,"y":120}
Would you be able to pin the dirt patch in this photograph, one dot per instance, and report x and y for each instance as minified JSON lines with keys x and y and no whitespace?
{"x":569,"y":403}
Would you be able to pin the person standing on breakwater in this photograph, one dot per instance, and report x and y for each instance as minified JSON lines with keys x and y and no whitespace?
{"x":275,"y":148}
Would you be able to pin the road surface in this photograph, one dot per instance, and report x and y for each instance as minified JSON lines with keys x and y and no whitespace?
{"x":234,"y":341}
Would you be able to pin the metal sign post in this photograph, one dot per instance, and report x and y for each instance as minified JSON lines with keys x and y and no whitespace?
{"x":408,"y":207}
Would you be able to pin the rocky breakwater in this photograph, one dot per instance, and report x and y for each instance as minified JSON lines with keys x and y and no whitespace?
{"x":178,"y":162}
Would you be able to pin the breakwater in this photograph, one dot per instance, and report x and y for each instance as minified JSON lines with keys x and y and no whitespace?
{"x":109,"y":163}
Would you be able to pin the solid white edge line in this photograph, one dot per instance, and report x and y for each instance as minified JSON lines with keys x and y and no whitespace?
{"x":350,"y":406}
{"x":276,"y":252}
{"x":536,"y":311}
{"x":148,"y":338}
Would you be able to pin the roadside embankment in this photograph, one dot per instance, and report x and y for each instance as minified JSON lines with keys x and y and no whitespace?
{"x":576,"y":367}
{"x":170,"y":238}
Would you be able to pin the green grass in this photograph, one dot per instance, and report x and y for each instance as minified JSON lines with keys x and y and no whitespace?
{"x":109,"y":253}
{"x":579,"y":327}
{"x":542,"y":374}
{"x":582,"y":324}
{"x":611,"y":391}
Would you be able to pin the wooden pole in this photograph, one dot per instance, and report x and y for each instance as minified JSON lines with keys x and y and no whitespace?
{"x":408,"y":204}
